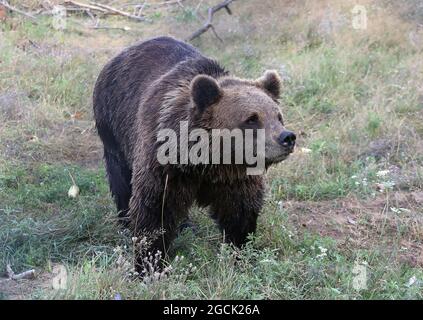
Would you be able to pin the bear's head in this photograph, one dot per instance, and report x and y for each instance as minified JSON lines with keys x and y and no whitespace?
{"x":232,"y":103}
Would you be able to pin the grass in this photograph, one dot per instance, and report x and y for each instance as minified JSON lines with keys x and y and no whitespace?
{"x":350,"y":196}
{"x":40,"y":223}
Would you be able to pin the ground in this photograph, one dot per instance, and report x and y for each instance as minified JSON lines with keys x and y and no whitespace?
{"x":350,"y":198}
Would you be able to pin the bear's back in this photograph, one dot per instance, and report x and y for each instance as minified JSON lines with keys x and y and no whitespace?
{"x":123,"y":81}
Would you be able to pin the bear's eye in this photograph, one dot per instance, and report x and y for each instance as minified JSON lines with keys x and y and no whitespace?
{"x":253,"y":119}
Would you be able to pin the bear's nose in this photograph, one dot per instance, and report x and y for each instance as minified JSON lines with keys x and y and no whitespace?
{"x":287,"y":139}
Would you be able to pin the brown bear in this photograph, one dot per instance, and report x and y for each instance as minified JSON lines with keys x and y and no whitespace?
{"x":157,"y":84}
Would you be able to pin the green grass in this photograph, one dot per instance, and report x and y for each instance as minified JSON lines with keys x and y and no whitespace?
{"x":258,"y":272}
{"x":40,"y":223}
{"x":343,"y":92}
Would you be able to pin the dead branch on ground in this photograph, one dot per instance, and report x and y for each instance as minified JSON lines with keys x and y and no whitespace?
{"x":19,"y":11}
{"x":85,"y":6}
{"x":30,"y":274}
{"x":117,"y":11}
{"x":92,"y":8}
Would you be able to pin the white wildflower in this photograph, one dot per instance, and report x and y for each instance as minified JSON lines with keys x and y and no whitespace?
{"x":382,"y":173}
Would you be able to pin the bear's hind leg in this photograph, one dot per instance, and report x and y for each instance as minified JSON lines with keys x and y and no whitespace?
{"x":119,"y":176}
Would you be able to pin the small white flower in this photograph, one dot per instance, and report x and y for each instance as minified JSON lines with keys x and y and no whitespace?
{"x":323,"y":252}
{"x":322,"y":249}
{"x":321,"y":256}
{"x":382,"y":173}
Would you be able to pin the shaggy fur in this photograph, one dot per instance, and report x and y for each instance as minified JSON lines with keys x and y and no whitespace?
{"x":156,"y":84}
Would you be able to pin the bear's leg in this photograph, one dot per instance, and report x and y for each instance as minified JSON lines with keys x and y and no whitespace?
{"x":160,"y":228}
{"x":119,"y":176}
{"x":236,"y":209}
{"x":158,"y":203}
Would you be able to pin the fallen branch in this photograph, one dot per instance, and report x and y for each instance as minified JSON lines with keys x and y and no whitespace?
{"x":85,"y":6}
{"x":167,"y":3}
{"x":117,"y":11}
{"x":72,"y":6}
{"x":30,"y":274}
{"x":153,"y":5}
{"x":209,"y":22}
{"x":110,"y":28}
{"x":97,"y":26}
{"x":13,"y":9}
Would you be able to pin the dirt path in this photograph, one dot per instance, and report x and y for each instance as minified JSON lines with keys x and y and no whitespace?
{"x":391,"y":222}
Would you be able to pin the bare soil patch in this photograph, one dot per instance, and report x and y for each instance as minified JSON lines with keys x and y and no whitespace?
{"x":392,"y":221}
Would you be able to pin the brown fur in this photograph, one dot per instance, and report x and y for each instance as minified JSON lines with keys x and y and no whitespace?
{"x":155,"y":85}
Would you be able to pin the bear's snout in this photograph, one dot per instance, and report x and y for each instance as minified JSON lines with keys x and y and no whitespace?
{"x":287,"y":140}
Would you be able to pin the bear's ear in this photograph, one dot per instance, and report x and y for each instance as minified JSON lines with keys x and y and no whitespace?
{"x":271,"y":82}
{"x":205,"y":91}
